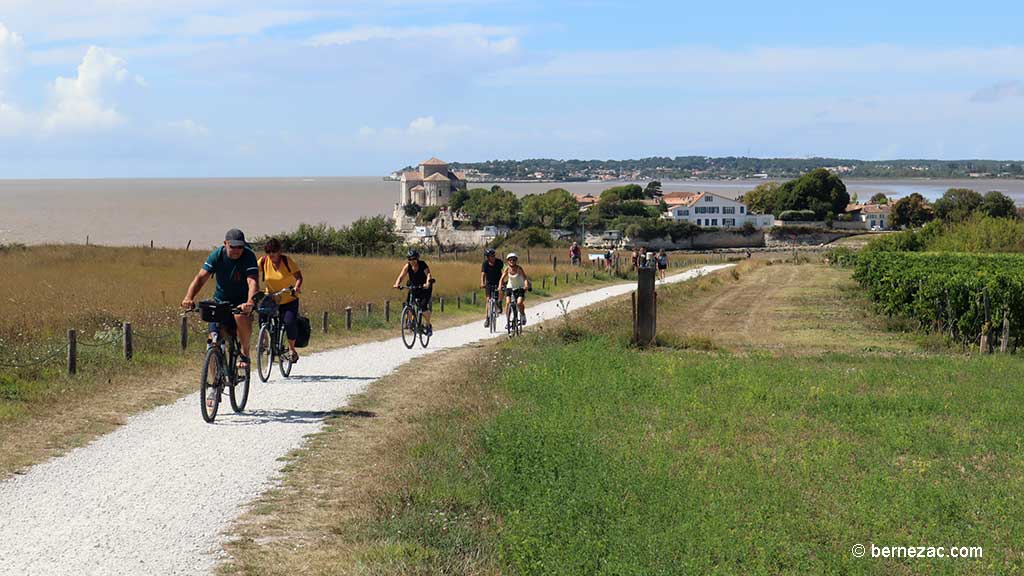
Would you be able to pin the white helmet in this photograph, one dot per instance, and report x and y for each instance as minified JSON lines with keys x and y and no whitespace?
{"x":512,"y":255}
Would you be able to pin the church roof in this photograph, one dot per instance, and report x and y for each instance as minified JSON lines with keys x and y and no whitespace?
{"x":437,"y":178}
{"x":417,"y":188}
{"x":412,"y":176}
{"x":433,"y":162}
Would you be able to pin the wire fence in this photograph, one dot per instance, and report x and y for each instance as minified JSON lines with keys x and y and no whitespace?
{"x":113,"y":341}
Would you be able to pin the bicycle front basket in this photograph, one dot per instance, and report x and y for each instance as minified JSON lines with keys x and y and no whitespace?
{"x":213,"y":311}
{"x":267,"y":306}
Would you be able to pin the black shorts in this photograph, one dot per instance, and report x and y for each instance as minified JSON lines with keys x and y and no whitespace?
{"x":516,"y":293}
{"x":423,"y":297}
{"x":491,"y":289}
{"x":662,"y":266}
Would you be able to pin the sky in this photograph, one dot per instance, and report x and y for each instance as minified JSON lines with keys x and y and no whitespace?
{"x":211,"y":88}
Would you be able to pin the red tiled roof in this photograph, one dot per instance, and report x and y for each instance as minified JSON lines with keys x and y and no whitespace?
{"x":437,"y":178}
{"x":412,"y":176}
{"x":434,"y":161}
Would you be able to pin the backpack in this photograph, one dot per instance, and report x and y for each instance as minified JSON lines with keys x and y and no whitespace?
{"x":305,"y":330}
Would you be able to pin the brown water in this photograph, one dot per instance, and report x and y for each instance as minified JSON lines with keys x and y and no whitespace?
{"x":170,"y":212}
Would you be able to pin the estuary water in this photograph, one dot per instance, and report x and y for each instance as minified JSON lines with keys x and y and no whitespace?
{"x":171,"y":212}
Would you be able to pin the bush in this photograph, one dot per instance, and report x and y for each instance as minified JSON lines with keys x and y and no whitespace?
{"x":365,"y":236}
{"x":428,"y":214}
{"x":798,"y":215}
{"x":527,"y":237}
{"x":411,"y":210}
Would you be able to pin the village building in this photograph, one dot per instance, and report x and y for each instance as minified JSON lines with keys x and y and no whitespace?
{"x":431,"y":185}
{"x":711,"y":210}
{"x":873,"y":216}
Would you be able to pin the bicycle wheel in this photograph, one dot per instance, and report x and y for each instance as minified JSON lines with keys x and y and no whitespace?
{"x":519,"y":321}
{"x":424,"y":337}
{"x":410,"y":326}
{"x":284,"y":356}
{"x":239,"y":392}
{"x":264,"y":353}
{"x":511,"y":318}
{"x":210,"y":379}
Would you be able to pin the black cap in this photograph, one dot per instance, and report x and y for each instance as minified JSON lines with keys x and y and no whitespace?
{"x":235,"y":238}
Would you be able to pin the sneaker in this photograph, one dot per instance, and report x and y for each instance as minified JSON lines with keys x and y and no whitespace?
{"x":522,"y":321}
{"x":487,"y":322}
{"x":430,"y":330}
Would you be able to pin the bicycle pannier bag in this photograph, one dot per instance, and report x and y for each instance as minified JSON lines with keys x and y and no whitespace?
{"x":304,"y":331}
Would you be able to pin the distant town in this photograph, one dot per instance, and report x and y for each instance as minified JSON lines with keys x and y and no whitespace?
{"x":722,"y":168}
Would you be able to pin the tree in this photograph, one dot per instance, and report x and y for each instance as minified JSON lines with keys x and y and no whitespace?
{"x":411,"y":210}
{"x":879,"y":198}
{"x":761,"y":200}
{"x":957,"y":204}
{"x":998,"y":205}
{"x":818,"y":190}
{"x":653,"y":189}
{"x":495,"y":206}
{"x":912,"y":211}
{"x":458,"y":199}
{"x":626,"y":192}
{"x":556,"y":208}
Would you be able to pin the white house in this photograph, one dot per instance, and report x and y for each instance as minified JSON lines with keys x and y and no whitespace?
{"x":711,"y":210}
{"x":874,"y":216}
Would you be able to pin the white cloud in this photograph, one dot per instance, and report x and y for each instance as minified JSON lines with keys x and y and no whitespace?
{"x":11,"y":45}
{"x":496,"y":39}
{"x":189,"y":127}
{"x":424,"y":134}
{"x":79,"y":101}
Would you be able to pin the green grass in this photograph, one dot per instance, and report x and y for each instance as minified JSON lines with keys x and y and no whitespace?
{"x":610,"y":461}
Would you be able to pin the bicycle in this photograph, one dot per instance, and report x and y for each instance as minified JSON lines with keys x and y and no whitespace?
{"x":271,"y":342}
{"x":514,"y":320}
{"x":493,"y":306}
{"x":216,"y":375}
{"x":412,"y":320}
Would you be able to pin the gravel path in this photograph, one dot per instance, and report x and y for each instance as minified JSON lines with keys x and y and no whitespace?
{"x":155,"y":496}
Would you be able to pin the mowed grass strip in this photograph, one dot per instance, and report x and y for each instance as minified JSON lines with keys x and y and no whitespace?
{"x":582,"y":455}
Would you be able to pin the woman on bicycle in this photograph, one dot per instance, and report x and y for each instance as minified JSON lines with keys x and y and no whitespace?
{"x":279,"y":272}
{"x":420,"y":284}
{"x":515,"y":283}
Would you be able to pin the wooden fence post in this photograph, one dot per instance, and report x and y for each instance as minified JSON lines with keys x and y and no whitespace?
{"x":458,"y":302}
{"x":567,"y":277}
{"x":646,"y":311}
{"x":527,"y":255}
{"x":554,"y":279}
{"x":348,"y":317}
{"x":1004,"y":342}
{"x":325,"y":322}
{"x":578,"y":275}
{"x":127,"y":334}
{"x":554,"y":263}
{"x":387,"y":311}
{"x":442,"y":303}
{"x":474,"y":297}
{"x":544,"y":283}
{"x":72,"y":352}
{"x":369,"y":309}
{"x":184,"y":333}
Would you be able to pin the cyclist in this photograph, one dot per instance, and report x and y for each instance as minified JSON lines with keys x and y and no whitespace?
{"x":515,"y":283}
{"x":662,"y":263}
{"x":490,"y":276}
{"x":279,"y":272}
{"x":237,"y":275}
{"x":575,"y":254}
{"x":418,"y":274}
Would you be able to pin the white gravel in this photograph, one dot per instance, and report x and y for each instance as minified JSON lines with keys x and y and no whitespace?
{"x":155,"y":496}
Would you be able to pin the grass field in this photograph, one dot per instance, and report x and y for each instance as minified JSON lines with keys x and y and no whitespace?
{"x":779,"y":425}
{"x":93,"y":289}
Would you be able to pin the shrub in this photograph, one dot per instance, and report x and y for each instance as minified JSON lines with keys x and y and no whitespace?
{"x":798,"y":215}
{"x":428,"y":214}
{"x":527,"y":237}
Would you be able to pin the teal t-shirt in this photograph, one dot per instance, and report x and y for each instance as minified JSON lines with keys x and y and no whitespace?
{"x":231,"y":274}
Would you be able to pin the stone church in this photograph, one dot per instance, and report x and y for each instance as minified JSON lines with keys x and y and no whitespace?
{"x":432,"y":185}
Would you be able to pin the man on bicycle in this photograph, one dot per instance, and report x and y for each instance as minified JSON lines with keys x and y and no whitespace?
{"x":490,"y":277}
{"x":234,"y":266}
{"x":420,"y":284}
{"x":515,"y":283}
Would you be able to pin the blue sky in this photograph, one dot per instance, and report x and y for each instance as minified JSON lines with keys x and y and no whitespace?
{"x":128,"y":88}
